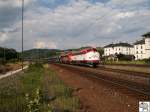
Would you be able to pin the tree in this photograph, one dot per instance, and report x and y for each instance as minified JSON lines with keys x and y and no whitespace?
{"x":100,"y":50}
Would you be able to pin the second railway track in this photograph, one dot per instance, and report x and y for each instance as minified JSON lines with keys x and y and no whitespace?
{"x":139,"y":83}
{"x":139,"y":74}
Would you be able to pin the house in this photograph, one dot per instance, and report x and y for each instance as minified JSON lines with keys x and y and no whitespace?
{"x":118,"y":48}
{"x":142,"y":47}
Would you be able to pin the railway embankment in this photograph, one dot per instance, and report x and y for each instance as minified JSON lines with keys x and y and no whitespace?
{"x":105,"y":91}
{"x":11,"y":73}
{"x":10,"y":67}
{"x":38,"y":89}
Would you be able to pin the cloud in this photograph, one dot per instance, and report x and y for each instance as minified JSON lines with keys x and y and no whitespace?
{"x":42,"y":44}
{"x":10,"y":11}
{"x":122,"y":15}
{"x":13,"y":3}
{"x":3,"y":37}
{"x":128,"y":4}
{"x":78,"y":23}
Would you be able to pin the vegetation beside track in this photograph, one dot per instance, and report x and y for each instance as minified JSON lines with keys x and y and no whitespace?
{"x":38,"y":89}
{"x":10,"y":67}
{"x":134,"y":62}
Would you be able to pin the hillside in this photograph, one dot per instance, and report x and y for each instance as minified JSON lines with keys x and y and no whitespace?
{"x":40,"y":53}
{"x":36,"y":53}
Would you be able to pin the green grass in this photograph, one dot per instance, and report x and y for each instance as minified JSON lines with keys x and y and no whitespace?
{"x":56,"y":88}
{"x":38,"y":88}
{"x":137,"y":62}
{"x":11,"y":95}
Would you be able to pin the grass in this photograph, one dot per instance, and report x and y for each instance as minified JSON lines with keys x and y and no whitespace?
{"x":10,"y":67}
{"x":129,"y":68}
{"x":136,"y":62}
{"x":56,"y":88}
{"x":38,"y":89}
{"x":11,"y":95}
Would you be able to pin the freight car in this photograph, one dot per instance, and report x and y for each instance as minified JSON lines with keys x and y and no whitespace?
{"x":88,"y":56}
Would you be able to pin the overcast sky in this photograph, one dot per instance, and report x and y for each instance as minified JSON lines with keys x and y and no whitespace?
{"x":66,"y":24}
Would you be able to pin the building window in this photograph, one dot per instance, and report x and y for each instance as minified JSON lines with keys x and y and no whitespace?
{"x":136,"y":52}
{"x":141,"y":47}
{"x":119,"y":49}
{"x":136,"y":47}
{"x":141,"y":52}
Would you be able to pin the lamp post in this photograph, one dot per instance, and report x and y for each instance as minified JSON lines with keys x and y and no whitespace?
{"x":22,"y":31}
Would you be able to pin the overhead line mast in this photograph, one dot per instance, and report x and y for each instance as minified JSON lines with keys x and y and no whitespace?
{"x":22,"y":31}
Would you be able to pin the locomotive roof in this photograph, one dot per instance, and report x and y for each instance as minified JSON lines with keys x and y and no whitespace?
{"x":79,"y":51}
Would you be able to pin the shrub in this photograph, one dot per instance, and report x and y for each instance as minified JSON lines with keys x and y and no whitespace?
{"x":147,"y":61}
{"x":123,"y":57}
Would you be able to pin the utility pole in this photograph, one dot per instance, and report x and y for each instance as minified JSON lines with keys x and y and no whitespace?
{"x":22,"y":32}
{"x":4,"y":54}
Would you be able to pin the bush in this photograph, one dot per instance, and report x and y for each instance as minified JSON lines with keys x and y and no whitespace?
{"x":147,"y":61}
{"x":8,"y":55}
{"x":123,"y":57}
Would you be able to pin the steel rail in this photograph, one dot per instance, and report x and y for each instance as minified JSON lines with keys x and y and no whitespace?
{"x":126,"y":72}
{"x":100,"y":76}
{"x":115,"y":83}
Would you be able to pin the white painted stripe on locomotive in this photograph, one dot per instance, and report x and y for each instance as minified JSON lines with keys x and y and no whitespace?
{"x":88,"y":56}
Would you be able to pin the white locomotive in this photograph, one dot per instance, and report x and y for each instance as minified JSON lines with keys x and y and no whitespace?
{"x":88,"y":56}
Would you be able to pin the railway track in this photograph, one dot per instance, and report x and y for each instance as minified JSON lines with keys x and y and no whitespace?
{"x":139,"y":83}
{"x":139,"y":74}
{"x":132,"y":65}
{"x":137,"y":77}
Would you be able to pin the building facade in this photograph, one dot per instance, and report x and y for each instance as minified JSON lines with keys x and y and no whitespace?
{"x":142,"y":48}
{"x":119,"y":48}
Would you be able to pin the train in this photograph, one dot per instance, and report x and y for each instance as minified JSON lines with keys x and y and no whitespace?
{"x":86,"y":56}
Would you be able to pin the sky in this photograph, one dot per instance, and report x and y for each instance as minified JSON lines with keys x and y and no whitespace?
{"x":64,"y":24}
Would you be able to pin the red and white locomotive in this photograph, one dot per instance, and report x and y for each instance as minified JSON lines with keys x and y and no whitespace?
{"x":87,"y":56}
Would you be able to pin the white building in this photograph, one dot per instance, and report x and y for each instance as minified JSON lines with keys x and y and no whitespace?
{"x":142,"y":48}
{"x":119,"y":48}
